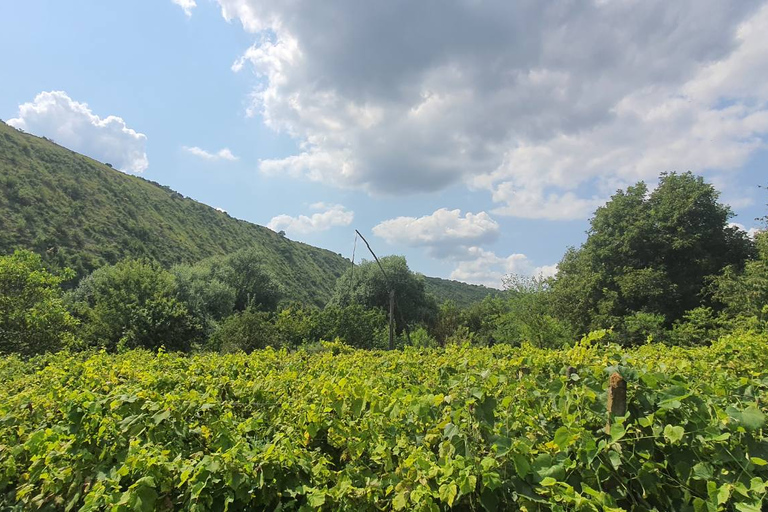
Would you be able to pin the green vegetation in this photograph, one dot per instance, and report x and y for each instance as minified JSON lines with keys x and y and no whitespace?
{"x":467,"y":428}
{"x":33,"y":317}
{"x":132,"y":304}
{"x":210,"y":364}
{"x":461,"y":294}
{"x":81,"y":214}
{"x":366,"y":284}
{"x":648,"y":257}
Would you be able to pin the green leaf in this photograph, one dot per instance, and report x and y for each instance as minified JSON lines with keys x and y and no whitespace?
{"x":548,"y":482}
{"x":448,"y":493}
{"x":400,"y":501}
{"x":161,"y":416}
{"x":617,"y":432}
{"x":450,"y":431}
{"x":752,"y":418}
{"x":749,"y":507}
{"x":562,"y":437}
{"x":615,"y":459}
{"x":674,"y":434}
{"x":522,"y":466}
{"x":489,"y":501}
{"x":316,"y":498}
{"x":702,"y":471}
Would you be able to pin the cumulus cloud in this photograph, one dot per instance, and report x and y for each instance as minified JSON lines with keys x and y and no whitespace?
{"x":486,"y":268}
{"x":328,"y":216}
{"x":186,"y":5}
{"x":72,"y":124}
{"x":533,"y":101}
{"x":445,"y":233}
{"x":222,"y":154}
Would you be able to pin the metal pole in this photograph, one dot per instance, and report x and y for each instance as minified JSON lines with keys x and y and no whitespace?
{"x":391,"y":295}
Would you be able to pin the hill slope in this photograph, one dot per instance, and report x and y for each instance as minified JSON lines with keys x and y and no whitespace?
{"x":462,"y":294}
{"x":82,"y":214}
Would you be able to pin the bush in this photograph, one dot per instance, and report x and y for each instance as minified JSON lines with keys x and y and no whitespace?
{"x":33,"y":317}
{"x":245,"y":331}
{"x":355,"y":325}
{"x":133,"y":304}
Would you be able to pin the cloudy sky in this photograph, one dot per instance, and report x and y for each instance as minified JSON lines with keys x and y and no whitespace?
{"x":475,"y":137}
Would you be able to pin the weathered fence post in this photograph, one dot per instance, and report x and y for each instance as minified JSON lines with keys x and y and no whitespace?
{"x":568,"y":372}
{"x":617,"y":398}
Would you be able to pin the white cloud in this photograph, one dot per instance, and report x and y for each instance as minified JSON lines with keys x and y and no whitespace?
{"x":751,"y":232}
{"x":330,"y":216}
{"x":187,"y":5}
{"x":72,"y":124}
{"x":445,"y":233}
{"x":535,"y":102}
{"x":488,"y":269}
{"x":222,"y":154}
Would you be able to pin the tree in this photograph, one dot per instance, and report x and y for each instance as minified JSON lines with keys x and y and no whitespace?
{"x":208,"y":298}
{"x":243,"y":272}
{"x":364,"y":284}
{"x":744,"y":294}
{"x":33,"y":316}
{"x":649,"y":253}
{"x":246,"y":330}
{"x":529,"y":313}
{"x":133,"y":304}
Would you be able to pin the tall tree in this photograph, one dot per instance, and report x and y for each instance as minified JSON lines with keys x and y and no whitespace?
{"x":649,"y":254}
{"x":364,"y":284}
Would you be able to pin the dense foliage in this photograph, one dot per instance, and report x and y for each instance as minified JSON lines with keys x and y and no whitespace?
{"x":132,"y":304}
{"x":33,"y":316}
{"x":648,"y":256}
{"x":366,"y":284}
{"x":468,"y":428}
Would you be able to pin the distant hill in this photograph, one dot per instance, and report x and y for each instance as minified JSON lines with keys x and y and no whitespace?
{"x":82,"y":214}
{"x":462,"y":294}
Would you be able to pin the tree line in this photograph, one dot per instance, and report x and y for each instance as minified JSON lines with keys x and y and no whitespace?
{"x":657,"y":265}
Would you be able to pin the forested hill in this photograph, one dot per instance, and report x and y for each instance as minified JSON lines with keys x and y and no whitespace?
{"x":462,"y":294}
{"x":82,"y":214}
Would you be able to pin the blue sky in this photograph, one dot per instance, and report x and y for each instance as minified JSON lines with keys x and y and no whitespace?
{"x":390,"y":117}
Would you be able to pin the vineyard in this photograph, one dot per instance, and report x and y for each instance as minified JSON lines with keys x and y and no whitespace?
{"x":340,"y":429}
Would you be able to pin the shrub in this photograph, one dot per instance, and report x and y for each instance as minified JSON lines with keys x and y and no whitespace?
{"x":33,"y":317}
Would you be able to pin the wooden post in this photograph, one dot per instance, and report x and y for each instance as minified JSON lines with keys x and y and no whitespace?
{"x":391,"y":319}
{"x":617,"y":398}
{"x":568,"y":372}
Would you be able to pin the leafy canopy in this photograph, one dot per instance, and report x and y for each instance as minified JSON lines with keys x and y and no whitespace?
{"x":133,"y":304}
{"x":649,"y":253}
{"x":33,"y":317}
{"x":365,"y":284}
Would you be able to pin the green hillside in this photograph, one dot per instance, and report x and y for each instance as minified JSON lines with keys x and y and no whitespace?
{"x":462,"y":294}
{"x":82,"y":214}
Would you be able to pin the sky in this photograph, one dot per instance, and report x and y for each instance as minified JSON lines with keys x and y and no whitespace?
{"x":474,"y":137}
